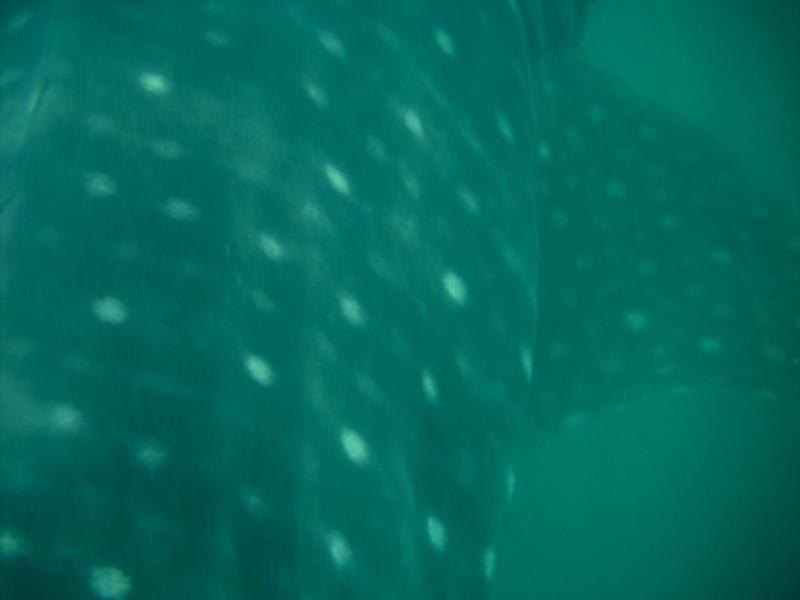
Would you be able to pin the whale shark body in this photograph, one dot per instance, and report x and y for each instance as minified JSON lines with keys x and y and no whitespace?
{"x":270,"y":290}
{"x":269,"y":299}
{"x":663,"y":267}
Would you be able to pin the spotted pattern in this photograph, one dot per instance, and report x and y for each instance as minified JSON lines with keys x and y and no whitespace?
{"x":269,"y":301}
{"x":666,"y":268}
{"x":255,"y":342}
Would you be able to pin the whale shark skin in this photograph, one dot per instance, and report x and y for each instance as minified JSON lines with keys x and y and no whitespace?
{"x":664,"y":268}
{"x":271,"y":279}
{"x":268,"y":297}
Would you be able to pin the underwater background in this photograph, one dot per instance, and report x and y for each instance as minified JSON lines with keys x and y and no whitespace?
{"x":693,"y":493}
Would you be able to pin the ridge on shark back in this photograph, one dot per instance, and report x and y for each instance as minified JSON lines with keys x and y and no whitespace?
{"x":270,"y":289}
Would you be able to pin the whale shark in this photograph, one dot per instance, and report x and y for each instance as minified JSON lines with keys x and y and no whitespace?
{"x":664,"y":267}
{"x":269,"y":297}
{"x":280,"y":283}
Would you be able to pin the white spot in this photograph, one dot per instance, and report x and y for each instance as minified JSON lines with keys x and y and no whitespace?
{"x":413,"y":123}
{"x":331,"y":43}
{"x":180,"y":210}
{"x":722,"y":257}
{"x":259,"y":369}
{"x":616,"y":189}
{"x":472,"y":139}
{"x":218,"y":39}
{"x":326,"y":348}
{"x":100,"y":185}
{"x":167,"y":149}
{"x":65,"y":419}
{"x":636,"y":320}
{"x":375,"y":148}
{"x":351,"y":310}
{"x":436,"y":533}
{"x":11,"y":544}
{"x":444,"y":41}
{"x":253,"y":501}
{"x":574,"y":420}
{"x":464,"y":363}
{"x":271,"y":247}
{"x":150,"y":454}
{"x":489,"y":559}
{"x":262,"y":301}
{"x":406,"y":228}
{"x":109,"y":583}
{"x":315,"y":93}
{"x":337,"y":179}
{"x":526,"y":360}
{"x":110,"y":310}
{"x":154,"y":83}
{"x":315,"y":217}
{"x":354,"y":447}
{"x":511,"y":483}
{"x":545,"y":153}
{"x":455,"y":287}
{"x":468,"y":200}
{"x":504,"y":127}
{"x":429,"y":387}
{"x":710,"y":344}
{"x":669,"y":222}
{"x":339,"y":549}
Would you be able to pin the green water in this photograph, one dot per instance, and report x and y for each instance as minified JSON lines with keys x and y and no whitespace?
{"x":689,"y":496}
{"x":694,"y":494}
